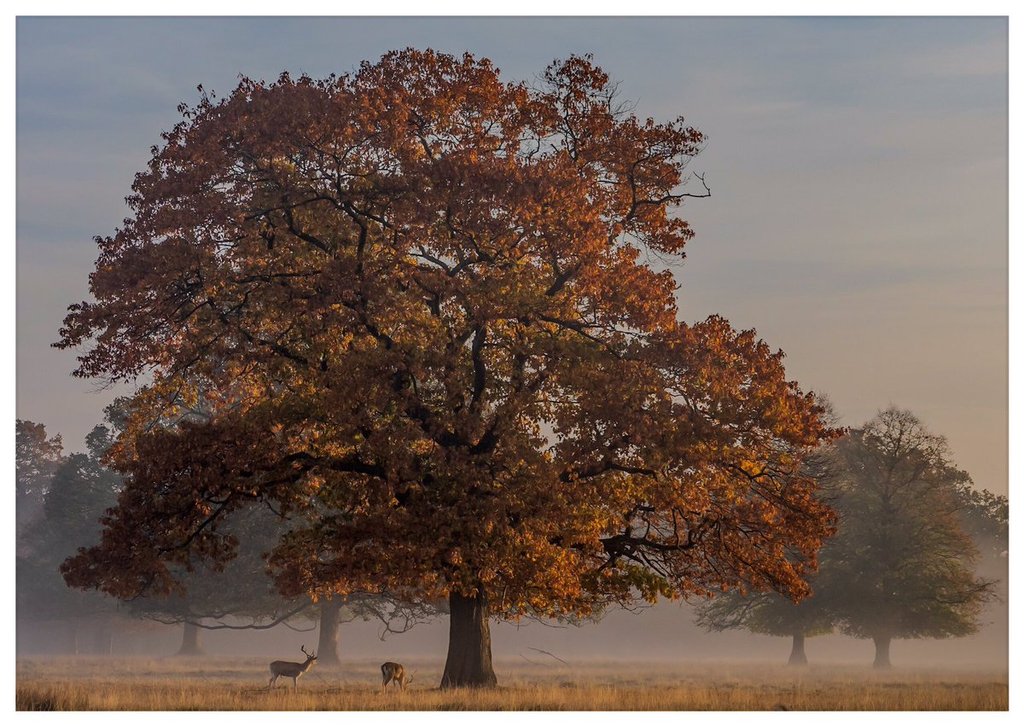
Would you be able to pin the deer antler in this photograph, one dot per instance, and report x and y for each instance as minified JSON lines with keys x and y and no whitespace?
{"x":308,"y":655}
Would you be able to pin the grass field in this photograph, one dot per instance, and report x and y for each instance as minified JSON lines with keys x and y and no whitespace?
{"x":216,"y":684}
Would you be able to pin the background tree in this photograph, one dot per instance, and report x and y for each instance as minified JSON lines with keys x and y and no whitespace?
{"x":36,"y":458}
{"x":769,"y":613}
{"x":419,"y":302}
{"x":901,"y":553}
{"x":986,"y":519}
{"x":79,"y":491}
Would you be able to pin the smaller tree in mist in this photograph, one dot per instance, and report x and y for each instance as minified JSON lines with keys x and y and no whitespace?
{"x":901,"y":555}
{"x":768,"y":613}
{"x":986,"y":519}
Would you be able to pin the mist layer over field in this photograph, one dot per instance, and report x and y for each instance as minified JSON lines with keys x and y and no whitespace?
{"x":663,"y":633}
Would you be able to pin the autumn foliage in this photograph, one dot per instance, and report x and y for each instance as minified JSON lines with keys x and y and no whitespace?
{"x":420,"y":304}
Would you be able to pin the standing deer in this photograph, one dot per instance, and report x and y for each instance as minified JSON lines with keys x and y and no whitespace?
{"x":393,"y":672}
{"x":290,"y":669}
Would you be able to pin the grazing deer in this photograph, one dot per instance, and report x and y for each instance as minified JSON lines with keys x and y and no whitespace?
{"x":289,"y":669}
{"x":393,"y":672}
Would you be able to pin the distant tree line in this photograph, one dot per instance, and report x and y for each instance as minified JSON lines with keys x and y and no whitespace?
{"x":913,"y":534}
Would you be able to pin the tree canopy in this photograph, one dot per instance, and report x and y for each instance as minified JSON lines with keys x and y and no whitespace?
{"x":421,"y":304}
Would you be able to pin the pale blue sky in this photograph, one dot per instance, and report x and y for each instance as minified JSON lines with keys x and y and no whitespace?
{"x":858,"y":168}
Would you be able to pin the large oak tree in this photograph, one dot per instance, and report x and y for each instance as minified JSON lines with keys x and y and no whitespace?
{"x":423,"y":305}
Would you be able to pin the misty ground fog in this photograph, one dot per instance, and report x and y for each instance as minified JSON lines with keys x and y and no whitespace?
{"x":664,"y":632}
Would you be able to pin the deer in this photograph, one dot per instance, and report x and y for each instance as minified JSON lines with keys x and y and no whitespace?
{"x":290,"y":669}
{"x":393,"y":672}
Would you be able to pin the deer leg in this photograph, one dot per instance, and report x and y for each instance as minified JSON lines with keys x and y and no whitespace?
{"x":273,"y":680}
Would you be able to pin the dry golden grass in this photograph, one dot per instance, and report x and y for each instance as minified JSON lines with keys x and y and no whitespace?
{"x":218,"y":684}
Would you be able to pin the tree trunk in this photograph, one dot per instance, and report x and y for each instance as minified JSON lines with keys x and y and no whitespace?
{"x":190,"y":641}
{"x":882,"y":651}
{"x":469,"y":644}
{"x":797,"y":657}
{"x":327,"y":648}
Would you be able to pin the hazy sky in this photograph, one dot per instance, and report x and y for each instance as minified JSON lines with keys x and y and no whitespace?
{"x":858,"y":169}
